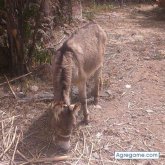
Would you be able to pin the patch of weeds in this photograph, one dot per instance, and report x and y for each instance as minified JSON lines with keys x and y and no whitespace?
{"x":89,"y":15}
{"x":102,"y":8}
{"x":106,"y":82}
{"x":41,"y":56}
{"x":159,"y":56}
{"x":90,"y":11}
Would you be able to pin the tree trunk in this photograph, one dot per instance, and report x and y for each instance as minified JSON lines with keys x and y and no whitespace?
{"x":46,"y":11}
{"x":15,"y":36}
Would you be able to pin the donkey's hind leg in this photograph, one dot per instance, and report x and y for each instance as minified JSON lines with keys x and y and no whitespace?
{"x":97,"y":85}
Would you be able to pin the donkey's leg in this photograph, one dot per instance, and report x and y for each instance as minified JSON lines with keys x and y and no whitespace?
{"x":83,"y":100}
{"x":98,"y":84}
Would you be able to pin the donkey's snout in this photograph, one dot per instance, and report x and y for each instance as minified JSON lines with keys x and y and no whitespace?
{"x":63,"y":145}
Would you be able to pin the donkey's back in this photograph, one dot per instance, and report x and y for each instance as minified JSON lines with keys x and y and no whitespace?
{"x":87,"y":45}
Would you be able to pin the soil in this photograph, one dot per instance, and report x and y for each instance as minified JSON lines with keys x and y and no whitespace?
{"x":131,"y":116}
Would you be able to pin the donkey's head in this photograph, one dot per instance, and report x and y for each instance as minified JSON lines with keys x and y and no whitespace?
{"x":63,"y":120}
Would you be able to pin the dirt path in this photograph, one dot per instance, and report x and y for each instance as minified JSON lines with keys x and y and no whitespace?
{"x":134,"y":74}
{"x":132,"y":117}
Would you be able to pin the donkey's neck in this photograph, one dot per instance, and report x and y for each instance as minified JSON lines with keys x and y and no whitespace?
{"x":62,"y":77}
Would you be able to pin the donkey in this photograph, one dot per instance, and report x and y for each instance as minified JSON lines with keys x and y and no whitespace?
{"x":80,"y":57}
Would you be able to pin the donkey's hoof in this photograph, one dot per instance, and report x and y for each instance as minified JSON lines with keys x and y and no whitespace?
{"x":83,"y":122}
{"x":95,"y":101}
{"x":86,"y":120}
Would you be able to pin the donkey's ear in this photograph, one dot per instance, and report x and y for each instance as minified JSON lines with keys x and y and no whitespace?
{"x":74,"y":108}
{"x":50,"y":105}
{"x":57,"y":105}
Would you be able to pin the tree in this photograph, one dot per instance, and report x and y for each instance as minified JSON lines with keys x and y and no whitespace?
{"x":14,"y":23}
{"x":28,"y":25}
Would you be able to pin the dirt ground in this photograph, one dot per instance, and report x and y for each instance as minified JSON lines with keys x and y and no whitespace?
{"x":132,"y":113}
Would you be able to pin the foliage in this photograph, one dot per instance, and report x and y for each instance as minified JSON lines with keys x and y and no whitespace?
{"x":30,"y":25}
{"x":1,"y":4}
{"x":41,"y":55}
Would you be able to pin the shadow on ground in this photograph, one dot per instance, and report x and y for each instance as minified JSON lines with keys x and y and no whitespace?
{"x":38,"y":139}
{"x":152,"y":17}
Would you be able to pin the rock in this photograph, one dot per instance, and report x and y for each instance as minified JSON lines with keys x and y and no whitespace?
{"x":98,"y":135}
{"x":21,"y":94}
{"x":34,"y":88}
{"x":18,"y":89}
{"x":149,"y":111}
{"x":97,"y":107}
{"x":106,"y":147}
{"x":109,"y":92}
{"x":146,"y":58}
{"x":128,"y":86}
{"x":139,"y":38}
{"x":96,"y":155}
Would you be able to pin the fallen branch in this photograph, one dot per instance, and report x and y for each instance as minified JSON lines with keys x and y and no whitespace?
{"x":10,"y":87}
{"x":17,"y":78}
{"x":51,"y":159}
{"x":33,"y":99}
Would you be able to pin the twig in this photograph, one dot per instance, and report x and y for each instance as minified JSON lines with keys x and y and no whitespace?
{"x":23,"y":156}
{"x":52,"y":159}
{"x":120,"y":124}
{"x":15,"y":149}
{"x":101,"y":158}
{"x":75,"y":149}
{"x":120,"y":147}
{"x":17,"y":78}
{"x":153,"y":134}
{"x":147,"y":145}
{"x":106,"y":161}
{"x":84,"y":144}
{"x":3,"y":134}
{"x":90,"y":154}
{"x":8,"y":118}
{"x":13,"y":139}
{"x":10,"y":87}
{"x":9,"y":132}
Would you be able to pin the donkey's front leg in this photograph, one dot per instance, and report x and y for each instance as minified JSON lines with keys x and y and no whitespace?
{"x":83,"y":100}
